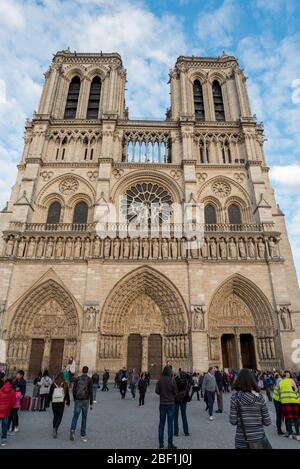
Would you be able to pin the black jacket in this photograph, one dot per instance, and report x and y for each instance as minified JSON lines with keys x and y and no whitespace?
{"x":89,"y":393}
{"x":95,"y":378}
{"x":219,"y":380}
{"x":166,"y":388}
{"x":20,"y":383}
{"x":142,"y":385}
{"x":182,"y":383}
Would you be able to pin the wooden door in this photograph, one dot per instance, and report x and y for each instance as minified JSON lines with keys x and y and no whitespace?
{"x":248,"y":351}
{"x":155,"y":355}
{"x":36,"y":357}
{"x":56,"y":356}
{"x":227,"y":350}
{"x":134,"y":352}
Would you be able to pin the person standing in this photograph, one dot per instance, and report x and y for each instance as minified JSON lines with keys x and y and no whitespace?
{"x":105,"y":379}
{"x":249,"y":412}
{"x":59,"y":396}
{"x":181,"y":400}
{"x":220,"y":383}
{"x":166,"y":389}
{"x":71,"y":367}
{"x":195,"y":386}
{"x":83,"y":396}
{"x":116,"y":381}
{"x":142,"y":387}
{"x":45,"y":385}
{"x":7,"y":399}
{"x":134,"y":381}
{"x":289,"y":399}
{"x":96,"y":385}
{"x":209,"y":389}
{"x":13,"y":420}
{"x":277,"y":404}
{"x":123,"y":382}
{"x":20,"y":382}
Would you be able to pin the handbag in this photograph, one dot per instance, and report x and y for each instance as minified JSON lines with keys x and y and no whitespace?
{"x":260,"y":444}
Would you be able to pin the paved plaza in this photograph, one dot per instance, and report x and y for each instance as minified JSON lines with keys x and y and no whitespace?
{"x":119,"y":424}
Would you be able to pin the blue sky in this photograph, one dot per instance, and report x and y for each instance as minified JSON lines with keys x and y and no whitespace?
{"x":150,"y":35}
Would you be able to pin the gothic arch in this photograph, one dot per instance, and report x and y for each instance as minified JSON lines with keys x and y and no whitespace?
{"x":150,"y":282}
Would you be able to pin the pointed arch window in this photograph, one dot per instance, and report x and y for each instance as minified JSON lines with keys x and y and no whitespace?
{"x":72,"y":99}
{"x":80,"y":213}
{"x":210,"y":216}
{"x":234,"y":214}
{"x":218,"y":101}
{"x":198,"y":101}
{"x":94,"y":99}
{"x":54,"y":212}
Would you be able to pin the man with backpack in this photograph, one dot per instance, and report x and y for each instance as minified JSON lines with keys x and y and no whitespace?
{"x":181,"y":400}
{"x":83,"y":396}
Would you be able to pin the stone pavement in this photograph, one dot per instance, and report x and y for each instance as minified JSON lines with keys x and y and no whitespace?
{"x":120,"y":424}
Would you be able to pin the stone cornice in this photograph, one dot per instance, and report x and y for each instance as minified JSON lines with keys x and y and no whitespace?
{"x":207,"y":62}
{"x":147,"y":165}
{"x":253,"y":163}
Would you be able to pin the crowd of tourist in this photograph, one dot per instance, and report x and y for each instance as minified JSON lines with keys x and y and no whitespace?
{"x":248,"y":409}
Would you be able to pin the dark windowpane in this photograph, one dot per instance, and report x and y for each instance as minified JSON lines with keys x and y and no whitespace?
{"x":80,"y":213}
{"x":54,"y":213}
{"x":210,"y":215}
{"x":198,"y":101}
{"x":94,"y":99}
{"x":218,"y":101}
{"x":72,"y":99}
{"x":234,"y":214}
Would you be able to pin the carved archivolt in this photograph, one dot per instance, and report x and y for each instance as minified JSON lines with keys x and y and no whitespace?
{"x":144,"y":296}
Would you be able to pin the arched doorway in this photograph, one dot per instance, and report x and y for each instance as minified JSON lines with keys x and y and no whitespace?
{"x":44,"y":330}
{"x":241,"y":327}
{"x":144,"y":322}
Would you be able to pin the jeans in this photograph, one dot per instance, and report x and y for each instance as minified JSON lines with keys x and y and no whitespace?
{"x":44,"y":401}
{"x":104,"y":387}
{"x":58,"y":412}
{"x":193,"y":391}
{"x":277,"y":405}
{"x":289,"y":425}
{"x":95,"y":389}
{"x":13,"y":420}
{"x":4,"y":428}
{"x":210,"y":395}
{"x":133,"y":389}
{"x":142,"y":398}
{"x":220,"y":400}
{"x":79,"y":406}
{"x":164,"y":412}
{"x":123,"y":390}
{"x":182,"y":406}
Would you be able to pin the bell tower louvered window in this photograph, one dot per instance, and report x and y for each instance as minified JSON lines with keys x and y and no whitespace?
{"x":94,"y":99}
{"x":198,"y":101}
{"x":72,"y":99}
{"x":218,"y":101}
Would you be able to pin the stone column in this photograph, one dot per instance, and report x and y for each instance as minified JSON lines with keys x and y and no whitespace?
{"x":238,"y":355}
{"x":145,"y":351}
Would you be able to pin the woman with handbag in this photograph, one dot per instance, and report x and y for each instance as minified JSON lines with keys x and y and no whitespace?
{"x":59,"y":395}
{"x":249,"y":412}
{"x":45,"y":384}
{"x":290,"y":404}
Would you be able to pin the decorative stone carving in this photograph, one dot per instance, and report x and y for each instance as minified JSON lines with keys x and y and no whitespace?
{"x":273,"y":248}
{"x":201,"y":177}
{"x":239,"y":177}
{"x":214,"y":348}
{"x":90,"y":318}
{"x":242,"y":249}
{"x":261,"y":249}
{"x":10,"y":244}
{"x":232,"y":249}
{"x":92,"y":175}
{"x":198,"y":313}
{"x":46,"y":175}
{"x":176,"y":174}
{"x":251,"y":249}
{"x":69,"y":185}
{"x":221,"y":188}
{"x":284,"y":313}
{"x":118,"y":173}
{"x":223,"y":248}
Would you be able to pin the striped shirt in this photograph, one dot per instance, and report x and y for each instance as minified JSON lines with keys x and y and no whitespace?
{"x":255,"y":416}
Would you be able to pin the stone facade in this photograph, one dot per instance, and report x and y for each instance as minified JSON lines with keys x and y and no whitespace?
{"x":229,"y":296}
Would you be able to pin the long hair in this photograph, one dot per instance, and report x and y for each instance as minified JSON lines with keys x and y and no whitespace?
{"x":59,"y":379}
{"x":245,"y":381}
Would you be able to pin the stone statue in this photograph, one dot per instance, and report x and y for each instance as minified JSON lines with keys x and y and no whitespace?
{"x":77,"y":248}
{"x":49,"y":248}
{"x":242,"y":249}
{"x":273,"y":247}
{"x":204,"y":249}
{"x":232,"y":249}
{"x":165,"y":249}
{"x":117,"y":248}
{"x":87,"y":248}
{"x":106,"y":248}
{"x":213,"y":249}
{"x":155,"y":248}
{"x":40,"y":247}
{"x":223,"y":248}
{"x":285,"y":316}
{"x":184,"y":248}
{"x":136,"y":248}
{"x":21,"y":247}
{"x":96,"y":247}
{"x":251,"y":248}
{"x":59,"y":248}
{"x":31,"y":248}
{"x":10,"y":247}
{"x":194,"y":248}
{"x":199,"y":317}
{"x":126,"y":248}
{"x":214,"y":348}
{"x":173,"y":248}
{"x":261,"y":249}
{"x":69,"y":248}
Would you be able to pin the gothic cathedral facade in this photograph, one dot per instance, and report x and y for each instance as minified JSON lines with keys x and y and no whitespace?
{"x":75,"y":283}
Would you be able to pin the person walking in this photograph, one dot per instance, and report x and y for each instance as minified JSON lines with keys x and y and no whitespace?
{"x":13,"y":420}
{"x":195,"y":386}
{"x":277,"y":404}
{"x":142,"y":387}
{"x":20,"y":382}
{"x":134,"y":381}
{"x":59,"y":396}
{"x":123,"y":382}
{"x":166,"y":389}
{"x":7,"y":400}
{"x":96,"y":385}
{"x":45,"y":385}
{"x":290,"y":404}
{"x":249,"y":412}
{"x":105,"y":379}
{"x":181,"y":400}
{"x":209,"y":389}
{"x":83,"y":396}
{"x":220,"y":384}
{"x":116,"y":380}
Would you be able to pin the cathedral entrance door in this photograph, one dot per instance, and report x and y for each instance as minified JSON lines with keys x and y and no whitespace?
{"x":227,"y":342}
{"x":134,"y":352}
{"x":248,"y":351}
{"x":56,"y":356}
{"x":36,"y":357}
{"x":155,"y":355}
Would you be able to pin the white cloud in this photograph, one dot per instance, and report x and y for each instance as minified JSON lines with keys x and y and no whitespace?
{"x":287,"y":175}
{"x":11,"y":14}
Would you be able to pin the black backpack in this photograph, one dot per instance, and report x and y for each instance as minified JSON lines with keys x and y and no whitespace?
{"x":82,"y":390}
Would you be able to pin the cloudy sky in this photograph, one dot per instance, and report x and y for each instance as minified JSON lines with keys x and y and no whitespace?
{"x":150,"y":34}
